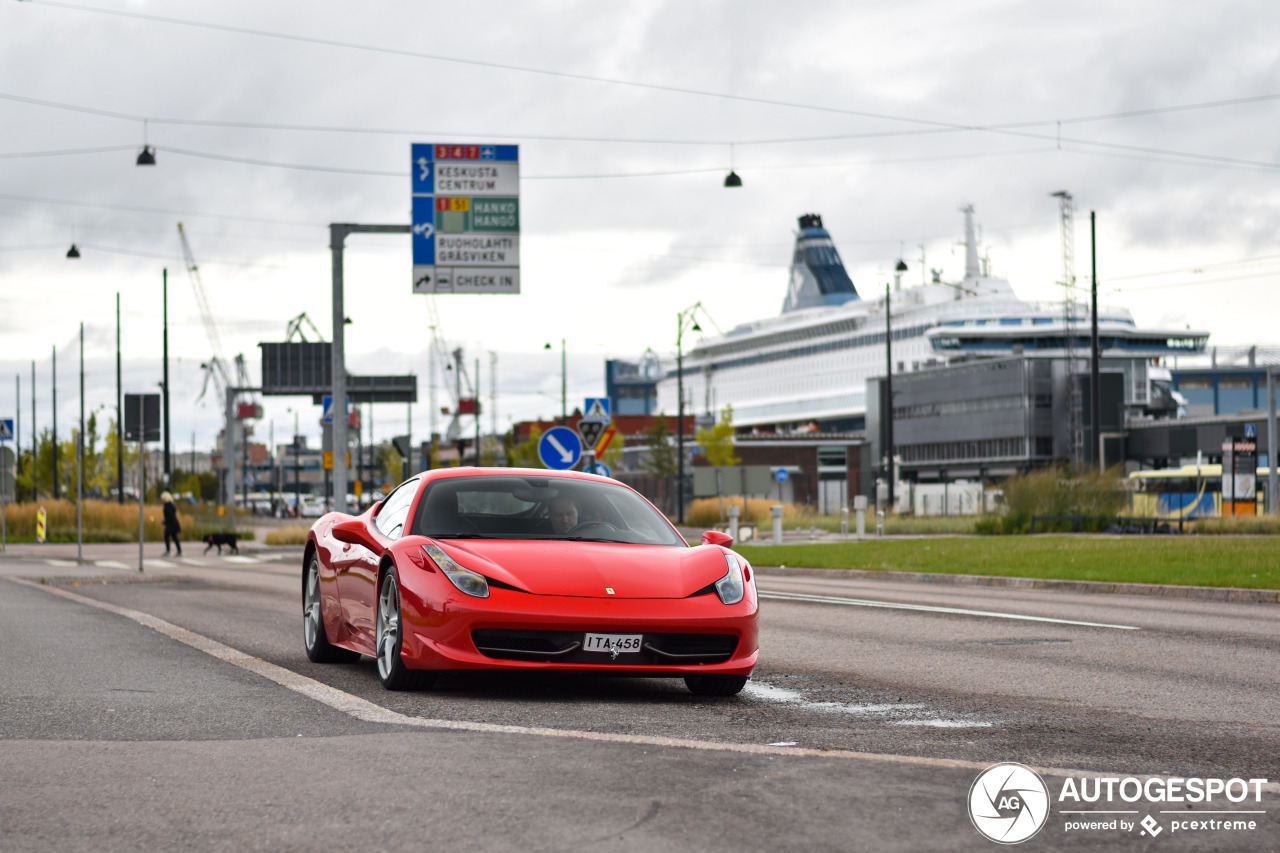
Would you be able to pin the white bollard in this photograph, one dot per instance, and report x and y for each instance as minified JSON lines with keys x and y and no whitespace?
{"x":734,"y":512}
{"x":860,"y":514}
{"x":844,"y":519}
{"x":776,"y":511}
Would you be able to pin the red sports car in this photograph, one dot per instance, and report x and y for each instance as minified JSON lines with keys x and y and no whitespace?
{"x":521,"y":569}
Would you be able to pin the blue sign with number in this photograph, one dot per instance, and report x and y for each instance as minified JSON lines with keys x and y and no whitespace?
{"x":560,"y":448}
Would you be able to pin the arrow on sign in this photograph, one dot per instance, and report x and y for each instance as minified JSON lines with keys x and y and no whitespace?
{"x":565,"y":455}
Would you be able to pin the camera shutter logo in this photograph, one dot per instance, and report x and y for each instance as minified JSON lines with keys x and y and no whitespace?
{"x":1008,"y":803}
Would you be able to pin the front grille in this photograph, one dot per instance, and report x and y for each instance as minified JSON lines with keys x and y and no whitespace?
{"x":566,"y":647}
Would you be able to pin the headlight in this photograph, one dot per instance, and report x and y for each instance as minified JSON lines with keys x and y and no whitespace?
{"x":472,"y":583}
{"x":731,"y":587}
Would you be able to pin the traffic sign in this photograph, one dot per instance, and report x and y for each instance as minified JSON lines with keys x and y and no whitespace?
{"x":466,"y":218}
{"x":6,"y":429}
{"x":590,"y":432}
{"x":353,"y":416}
{"x":605,"y":440}
{"x":781,"y":475}
{"x":601,"y":469}
{"x":559,"y":448}
{"x":596,"y":409}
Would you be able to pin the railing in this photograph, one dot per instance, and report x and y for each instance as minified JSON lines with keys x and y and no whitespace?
{"x":1114,"y":523}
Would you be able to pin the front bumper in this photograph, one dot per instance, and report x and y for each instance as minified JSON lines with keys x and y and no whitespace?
{"x":513,"y":626}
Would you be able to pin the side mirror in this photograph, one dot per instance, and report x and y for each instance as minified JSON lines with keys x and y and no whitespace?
{"x":355,"y":533}
{"x":715,"y":537}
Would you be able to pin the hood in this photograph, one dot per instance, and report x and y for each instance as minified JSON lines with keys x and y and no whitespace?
{"x":586,"y":569}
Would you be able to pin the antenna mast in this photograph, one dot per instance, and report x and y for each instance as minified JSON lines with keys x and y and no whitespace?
{"x":1075,"y":413}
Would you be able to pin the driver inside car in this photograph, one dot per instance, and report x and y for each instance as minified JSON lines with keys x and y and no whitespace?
{"x":563,"y":513}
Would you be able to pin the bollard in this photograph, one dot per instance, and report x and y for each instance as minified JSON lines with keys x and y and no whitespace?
{"x":844,"y":519}
{"x":776,"y":511}
{"x":879,"y":522}
{"x":734,"y":511}
{"x":860,"y":513}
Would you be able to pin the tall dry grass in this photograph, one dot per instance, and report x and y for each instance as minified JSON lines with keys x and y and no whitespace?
{"x":1058,"y":492}
{"x":103,"y":521}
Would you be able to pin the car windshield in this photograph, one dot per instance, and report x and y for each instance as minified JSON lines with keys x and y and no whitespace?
{"x":533,"y":507}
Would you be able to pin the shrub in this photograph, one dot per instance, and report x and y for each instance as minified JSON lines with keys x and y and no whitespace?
{"x":1056,"y":491}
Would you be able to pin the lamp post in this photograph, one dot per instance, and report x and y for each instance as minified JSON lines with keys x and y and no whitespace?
{"x":684,"y":322}
{"x":564,"y":396}
{"x":888,"y":380}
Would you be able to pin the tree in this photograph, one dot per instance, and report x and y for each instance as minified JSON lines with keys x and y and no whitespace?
{"x":660,"y":461}
{"x":390,"y":463}
{"x":524,"y":454}
{"x":717,"y":442}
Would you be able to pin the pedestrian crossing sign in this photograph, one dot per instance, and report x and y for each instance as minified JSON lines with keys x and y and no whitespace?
{"x":596,"y":409}
{"x":6,"y":429}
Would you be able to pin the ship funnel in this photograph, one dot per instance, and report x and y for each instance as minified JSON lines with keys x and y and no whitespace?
{"x":971,"y":269}
{"x":818,"y":276}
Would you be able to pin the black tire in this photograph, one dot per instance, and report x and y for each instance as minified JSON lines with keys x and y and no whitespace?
{"x":314,"y":638}
{"x":715,"y":685}
{"x":388,"y":640}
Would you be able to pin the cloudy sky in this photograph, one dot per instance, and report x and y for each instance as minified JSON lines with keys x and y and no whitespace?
{"x":272,"y":120}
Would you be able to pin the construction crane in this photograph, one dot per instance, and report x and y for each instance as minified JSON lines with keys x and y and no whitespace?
{"x":216,"y":366}
{"x":295,"y":328}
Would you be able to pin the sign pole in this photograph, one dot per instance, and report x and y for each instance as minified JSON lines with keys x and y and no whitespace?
{"x":142,"y":487}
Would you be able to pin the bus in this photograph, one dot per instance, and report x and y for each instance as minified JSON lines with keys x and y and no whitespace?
{"x":1192,"y":491}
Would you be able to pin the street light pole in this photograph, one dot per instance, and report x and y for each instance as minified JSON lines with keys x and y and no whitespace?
{"x":168,"y":469}
{"x":683,"y":319}
{"x":888,"y":395}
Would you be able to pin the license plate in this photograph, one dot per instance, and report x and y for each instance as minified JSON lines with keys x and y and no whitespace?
{"x":613,"y":644}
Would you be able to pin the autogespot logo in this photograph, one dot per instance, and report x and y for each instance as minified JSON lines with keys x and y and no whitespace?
{"x":1008,"y":803}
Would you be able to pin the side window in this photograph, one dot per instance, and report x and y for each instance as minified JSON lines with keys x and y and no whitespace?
{"x":391,"y":518}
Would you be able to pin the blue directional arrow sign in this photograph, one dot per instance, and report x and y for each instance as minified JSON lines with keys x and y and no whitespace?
{"x":602,"y":470}
{"x":559,"y":448}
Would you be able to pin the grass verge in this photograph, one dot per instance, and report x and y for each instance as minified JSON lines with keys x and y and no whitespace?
{"x":1187,"y":561}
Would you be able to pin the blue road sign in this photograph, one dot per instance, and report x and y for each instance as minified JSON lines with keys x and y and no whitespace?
{"x":596,"y":409}
{"x":327,"y":404}
{"x":601,"y":469}
{"x":6,"y":429}
{"x":559,"y":448}
{"x":780,"y":475}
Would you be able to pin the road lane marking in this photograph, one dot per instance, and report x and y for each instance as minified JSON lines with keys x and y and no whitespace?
{"x":62,"y":564}
{"x":190,"y":562}
{"x":164,"y":564}
{"x":235,"y":558}
{"x":113,"y":564}
{"x":891,"y":713}
{"x":362,"y":709}
{"x":929,"y":608}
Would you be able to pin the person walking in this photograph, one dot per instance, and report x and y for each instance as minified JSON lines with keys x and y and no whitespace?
{"x":171,"y":526}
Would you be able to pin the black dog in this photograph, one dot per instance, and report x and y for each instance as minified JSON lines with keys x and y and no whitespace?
{"x":220,"y":539}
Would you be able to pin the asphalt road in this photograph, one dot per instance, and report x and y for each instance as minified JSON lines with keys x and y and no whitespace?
{"x":863,"y":729}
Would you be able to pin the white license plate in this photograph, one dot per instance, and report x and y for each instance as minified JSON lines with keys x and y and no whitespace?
{"x":613,"y":643}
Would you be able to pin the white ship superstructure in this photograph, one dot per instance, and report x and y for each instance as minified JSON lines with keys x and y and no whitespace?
{"x":808,"y":367}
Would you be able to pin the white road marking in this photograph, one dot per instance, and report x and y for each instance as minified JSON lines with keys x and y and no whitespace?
{"x":894,"y":713}
{"x":113,"y":564}
{"x":363,"y":709}
{"x":164,"y":564}
{"x":236,"y":558}
{"x":928,"y":608}
{"x":191,"y":562}
{"x":62,"y":564}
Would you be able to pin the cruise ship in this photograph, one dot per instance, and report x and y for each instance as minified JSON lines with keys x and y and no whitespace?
{"x":806,"y":370}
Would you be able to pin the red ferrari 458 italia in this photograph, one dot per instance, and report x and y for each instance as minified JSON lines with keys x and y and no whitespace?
{"x":522,"y":569}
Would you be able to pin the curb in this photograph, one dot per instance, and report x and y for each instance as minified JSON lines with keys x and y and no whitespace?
{"x":1197,"y":593}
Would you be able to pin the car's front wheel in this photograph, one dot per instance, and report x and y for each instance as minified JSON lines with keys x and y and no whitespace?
{"x":715,"y":685}
{"x":389,"y":640}
{"x":314,"y":638}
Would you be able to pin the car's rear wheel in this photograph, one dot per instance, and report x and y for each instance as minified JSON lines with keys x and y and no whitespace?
{"x":389,"y":640}
{"x":319,"y":649}
{"x":715,"y":685}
